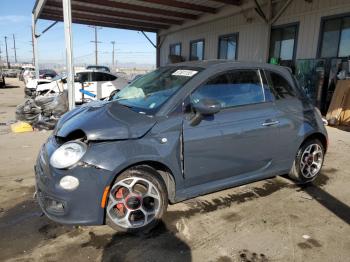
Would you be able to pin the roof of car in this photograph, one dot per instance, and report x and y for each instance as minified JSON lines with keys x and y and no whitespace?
{"x":222,"y":62}
{"x":93,"y":70}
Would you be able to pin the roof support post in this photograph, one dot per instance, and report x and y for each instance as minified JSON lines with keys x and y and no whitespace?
{"x":35,"y":47}
{"x":67,"y":19}
{"x":269,"y":27}
{"x":158,"y":51}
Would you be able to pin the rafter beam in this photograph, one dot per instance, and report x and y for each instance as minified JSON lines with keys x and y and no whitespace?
{"x":229,"y":2}
{"x":138,"y":8}
{"x":105,"y":19}
{"x":98,"y":23}
{"x":117,"y":14}
{"x":183,"y":5}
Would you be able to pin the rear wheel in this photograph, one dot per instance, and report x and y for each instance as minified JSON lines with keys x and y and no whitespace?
{"x":137,"y":200}
{"x":308,"y":162}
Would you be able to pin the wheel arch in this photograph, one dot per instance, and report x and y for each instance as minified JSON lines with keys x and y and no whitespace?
{"x":319,"y":136}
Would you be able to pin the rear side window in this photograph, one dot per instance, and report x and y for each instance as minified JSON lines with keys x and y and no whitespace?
{"x":99,"y":76}
{"x":83,"y":77}
{"x":233,"y":88}
{"x":280,"y":86}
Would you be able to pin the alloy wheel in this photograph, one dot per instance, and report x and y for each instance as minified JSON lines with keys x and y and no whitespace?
{"x":311,"y":161}
{"x":133,"y":202}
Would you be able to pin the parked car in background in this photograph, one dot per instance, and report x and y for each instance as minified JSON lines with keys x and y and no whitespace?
{"x":96,"y":85}
{"x":25,"y":69}
{"x":28,"y":73}
{"x":47,"y":74}
{"x":32,"y":84}
{"x":181,"y":131}
{"x":98,"y":68}
{"x":12,"y":73}
{"x":2,"y":80}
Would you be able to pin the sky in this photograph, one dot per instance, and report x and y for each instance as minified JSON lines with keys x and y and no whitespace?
{"x":15,"y":18}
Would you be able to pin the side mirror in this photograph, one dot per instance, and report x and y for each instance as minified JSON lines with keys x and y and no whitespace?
{"x":205,"y":107}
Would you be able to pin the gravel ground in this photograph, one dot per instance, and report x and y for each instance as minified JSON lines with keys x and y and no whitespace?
{"x":271,"y":220}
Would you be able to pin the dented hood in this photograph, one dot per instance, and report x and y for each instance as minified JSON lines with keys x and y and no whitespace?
{"x":105,"y":121}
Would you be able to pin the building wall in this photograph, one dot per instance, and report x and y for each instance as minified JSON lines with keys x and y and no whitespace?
{"x":253,"y":33}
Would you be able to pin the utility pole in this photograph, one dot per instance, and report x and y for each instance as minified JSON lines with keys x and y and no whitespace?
{"x":32,"y":42}
{"x":7,"y":55}
{"x":14,"y":47}
{"x":113,"y":43}
{"x":96,"y":42}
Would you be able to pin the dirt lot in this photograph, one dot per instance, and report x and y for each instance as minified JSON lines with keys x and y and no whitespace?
{"x":271,"y":220}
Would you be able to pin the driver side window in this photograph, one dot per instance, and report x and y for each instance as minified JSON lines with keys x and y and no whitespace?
{"x":232,"y":88}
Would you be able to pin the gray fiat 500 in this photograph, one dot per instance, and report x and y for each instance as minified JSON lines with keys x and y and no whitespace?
{"x":181,"y":131}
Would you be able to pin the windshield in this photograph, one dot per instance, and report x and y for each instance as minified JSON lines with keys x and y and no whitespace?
{"x":147,"y":93}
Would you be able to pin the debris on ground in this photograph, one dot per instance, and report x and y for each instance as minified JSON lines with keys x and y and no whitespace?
{"x":43,"y":111}
{"x":21,"y":127}
{"x":18,"y":180}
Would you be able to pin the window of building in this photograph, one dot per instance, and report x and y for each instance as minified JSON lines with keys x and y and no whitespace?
{"x":228,"y":46}
{"x":175,"y":49}
{"x":335,"y":37}
{"x":283,"y":42}
{"x":197,"y":50}
{"x":233,"y":88}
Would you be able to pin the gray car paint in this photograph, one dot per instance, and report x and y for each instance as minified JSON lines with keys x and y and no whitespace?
{"x":231,"y":148}
{"x":110,"y":121}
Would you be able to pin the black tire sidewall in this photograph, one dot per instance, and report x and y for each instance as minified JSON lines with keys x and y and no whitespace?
{"x":154,"y":177}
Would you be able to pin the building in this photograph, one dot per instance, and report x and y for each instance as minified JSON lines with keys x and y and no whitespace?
{"x":304,"y":29}
{"x":277,"y":31}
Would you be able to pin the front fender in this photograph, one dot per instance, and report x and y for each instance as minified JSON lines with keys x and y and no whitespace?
{"x":117,"y":156}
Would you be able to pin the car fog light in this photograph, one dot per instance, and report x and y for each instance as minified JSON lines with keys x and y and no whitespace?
{"x":69,"y":183}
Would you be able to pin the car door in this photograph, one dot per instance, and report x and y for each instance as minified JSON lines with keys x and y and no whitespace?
{"x":91,"y":85}
{"x":237,"y":140}
{"x":290,"y":114}
{"x":83,"y":81}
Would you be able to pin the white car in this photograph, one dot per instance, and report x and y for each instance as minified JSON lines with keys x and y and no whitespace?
{"x":89,"y":85}
{"x":32,"y":85}
{"x":28,"y":73}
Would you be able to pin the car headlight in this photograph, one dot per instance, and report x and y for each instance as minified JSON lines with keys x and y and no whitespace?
{"x":68,"y":155}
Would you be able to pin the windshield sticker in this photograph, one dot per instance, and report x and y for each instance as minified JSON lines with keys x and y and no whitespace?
{"x":188,"y":73}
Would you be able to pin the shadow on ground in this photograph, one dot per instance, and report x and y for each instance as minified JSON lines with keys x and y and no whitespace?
{"x":25,"y":226}
{"x":9,"y":86}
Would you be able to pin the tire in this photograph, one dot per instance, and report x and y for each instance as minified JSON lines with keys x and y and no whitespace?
{"x":307,"y":165}
{"x":134,"y":196}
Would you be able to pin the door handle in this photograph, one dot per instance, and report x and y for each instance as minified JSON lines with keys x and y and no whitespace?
{"x":270,"y":123}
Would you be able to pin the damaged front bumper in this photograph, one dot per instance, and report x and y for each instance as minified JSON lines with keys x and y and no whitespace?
{"x":81,"y":206}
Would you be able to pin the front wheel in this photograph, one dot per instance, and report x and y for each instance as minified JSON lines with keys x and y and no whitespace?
{"x":137,"y":201}
{"x":308,"y":162}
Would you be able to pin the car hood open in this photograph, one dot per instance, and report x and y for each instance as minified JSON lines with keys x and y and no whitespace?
{"x":104,"y":121}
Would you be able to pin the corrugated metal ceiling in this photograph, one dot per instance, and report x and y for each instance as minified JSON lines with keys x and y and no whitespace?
{"x":145,"y":15}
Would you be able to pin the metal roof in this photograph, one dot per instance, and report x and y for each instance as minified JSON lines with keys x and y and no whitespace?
{"x":141,"y":15}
